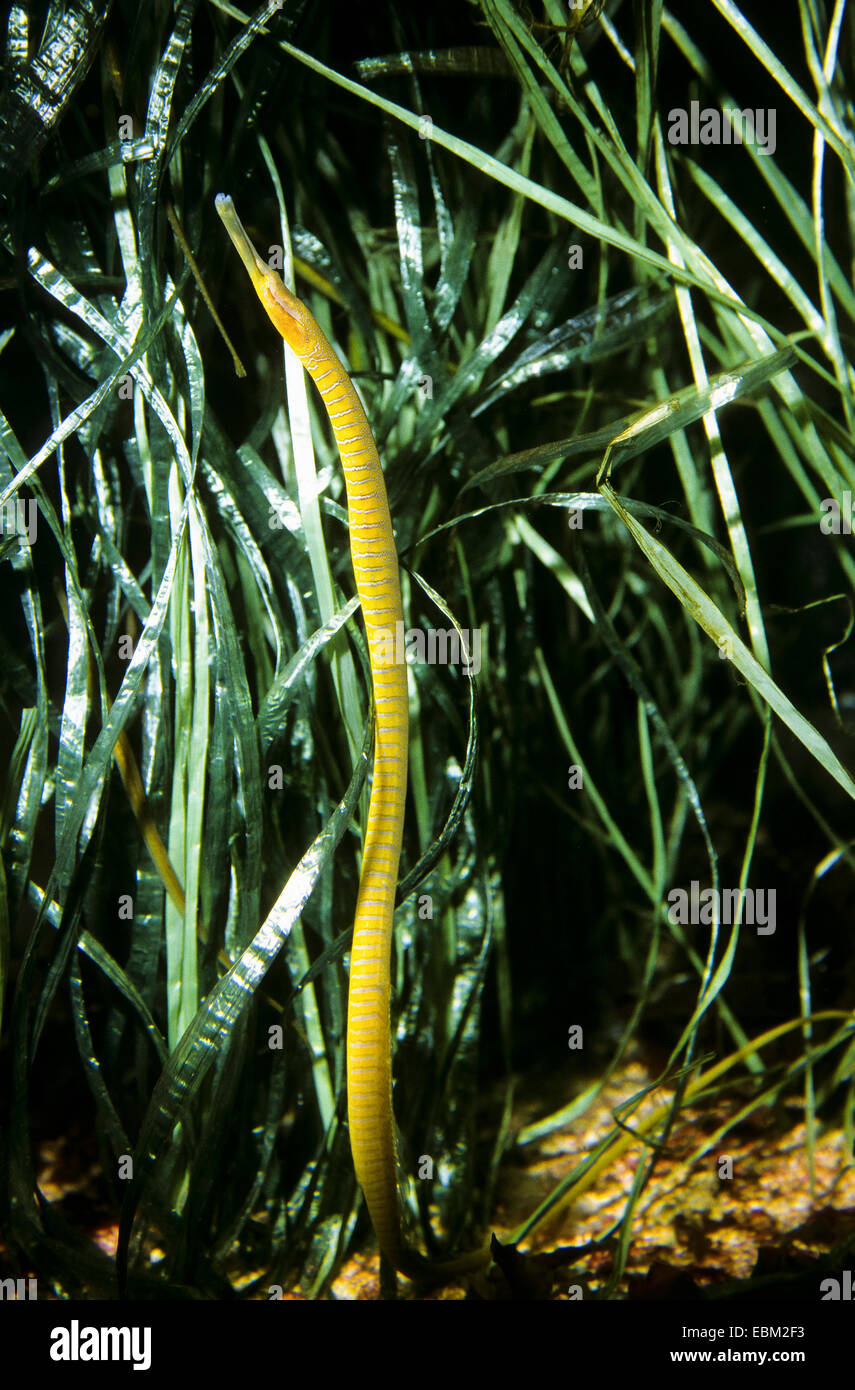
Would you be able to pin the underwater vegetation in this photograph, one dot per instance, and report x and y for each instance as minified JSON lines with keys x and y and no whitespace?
{"x":554,"y":699}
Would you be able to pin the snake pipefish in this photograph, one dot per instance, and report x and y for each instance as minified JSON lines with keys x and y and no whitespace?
{"x":375,"y":569}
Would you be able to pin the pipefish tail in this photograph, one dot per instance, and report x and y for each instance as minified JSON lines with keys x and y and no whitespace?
{"x":375,"y":568}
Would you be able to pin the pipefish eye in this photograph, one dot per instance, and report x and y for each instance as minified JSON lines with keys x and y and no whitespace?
{"x":289,"y":315}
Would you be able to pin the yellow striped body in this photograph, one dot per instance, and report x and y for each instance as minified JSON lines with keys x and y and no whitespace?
{"x":375,"y":568}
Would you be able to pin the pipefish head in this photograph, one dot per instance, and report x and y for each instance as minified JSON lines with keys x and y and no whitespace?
{"x":287,"y":313}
